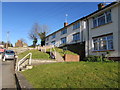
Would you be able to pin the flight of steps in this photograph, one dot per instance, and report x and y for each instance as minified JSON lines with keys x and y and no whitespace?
{"x":55,"y":55}
{"x":58,"y":57}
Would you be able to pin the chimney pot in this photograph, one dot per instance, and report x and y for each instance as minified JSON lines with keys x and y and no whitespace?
{"x":65,"y":24}
{"x":101,"y":5}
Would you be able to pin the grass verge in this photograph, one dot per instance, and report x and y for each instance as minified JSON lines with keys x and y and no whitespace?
{"x":35,"y":55}
{"x":74,"y":75}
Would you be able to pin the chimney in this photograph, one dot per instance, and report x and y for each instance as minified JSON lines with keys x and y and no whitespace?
{"x":101,"y":5}
{"x":65,"y":24}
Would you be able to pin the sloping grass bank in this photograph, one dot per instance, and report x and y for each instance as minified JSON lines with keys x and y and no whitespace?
{"x":62,"y":52}
{"x":35,"y":54}
{"x":74,"y":75}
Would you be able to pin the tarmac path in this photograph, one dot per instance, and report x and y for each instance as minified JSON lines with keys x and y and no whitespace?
{"x":8,"y":77}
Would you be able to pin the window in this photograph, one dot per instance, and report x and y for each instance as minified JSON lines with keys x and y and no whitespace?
{"x":53,"y":42}
{"x":108,"y":16}
{"x":63,"y":40}
{"x":53,"y":36}
{"x":64,"y":31}
{"x":76,"y":37}
{"x":95,"y":42}
{"x":102,"y":19}
{"x":46,"y":43}
{"x":110,"y":42}
{"x":94,"y":22}
{"x":76,"y":25}
{"x":103,"y":43}
{"x":47,"y":38}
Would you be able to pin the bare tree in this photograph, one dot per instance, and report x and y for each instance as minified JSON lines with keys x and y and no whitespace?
{"x":33,"y":34}
{"x":42,"y":30}
{"x":39,"y":31}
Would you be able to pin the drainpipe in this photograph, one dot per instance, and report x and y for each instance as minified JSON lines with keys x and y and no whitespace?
{"x":88,"y":34}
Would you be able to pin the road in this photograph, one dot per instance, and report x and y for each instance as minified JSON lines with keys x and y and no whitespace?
{"x":8,"y":78}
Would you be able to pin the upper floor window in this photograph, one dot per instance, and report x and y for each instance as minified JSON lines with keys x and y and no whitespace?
{"x":102,"y":19}
{"x":108,"y":16}
{"x":76,"y":25}
{"x":63,"y":40}
{"x":64,"y":31}
{"x":53,"y":36}
{"x":46,"y":43}
{"x":103,"y":43}
{"x":76,"y":37}
{"x":47,"y":38}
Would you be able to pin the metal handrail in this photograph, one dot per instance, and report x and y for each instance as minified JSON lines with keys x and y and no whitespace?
{"x":53,"y":49}
{"x":23,"y":60}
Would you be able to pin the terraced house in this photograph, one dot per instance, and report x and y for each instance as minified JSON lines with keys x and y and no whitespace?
{"x":70,"y":37}
{"x":94,"y":34}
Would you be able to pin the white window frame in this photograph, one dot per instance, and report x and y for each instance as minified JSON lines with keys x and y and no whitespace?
{"x":98,"y":42}
{"x":65,"y":40}
{"x":76,"y":25}
{"x":53,"y":43}
{"x":64,"y":31}
{"x":104,"y":14}
{"x":77,"y":39}
{"x":54,"y":36}
{"x":47,"y":39}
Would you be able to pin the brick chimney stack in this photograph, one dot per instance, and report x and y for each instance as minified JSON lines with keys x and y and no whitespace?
{"x":65,"y":24}
{"x":101,"y":5}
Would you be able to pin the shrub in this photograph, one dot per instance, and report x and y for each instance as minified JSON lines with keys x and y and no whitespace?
{"x":93,"y":58}
{"x":107,"y":60}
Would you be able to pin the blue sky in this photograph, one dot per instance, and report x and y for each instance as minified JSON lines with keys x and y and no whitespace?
{"x":19,"y":17}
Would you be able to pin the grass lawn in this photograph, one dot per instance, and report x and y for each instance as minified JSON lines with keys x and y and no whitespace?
{"x":35,"y":55}
{"x":74,"y":75}
{"x":62,"y":52}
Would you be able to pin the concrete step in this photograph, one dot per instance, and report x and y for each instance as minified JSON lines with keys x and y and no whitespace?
{"x":58,"y":57}
{"x":26,"y":68}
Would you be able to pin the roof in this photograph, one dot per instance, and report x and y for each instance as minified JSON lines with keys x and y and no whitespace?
{"x":99,"y":10}
{"x":83,"y":18}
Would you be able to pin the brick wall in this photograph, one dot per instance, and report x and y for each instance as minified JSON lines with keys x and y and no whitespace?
{"x":19,"y":44}
{"x":72,"y":58}
{"x":78,"y":48}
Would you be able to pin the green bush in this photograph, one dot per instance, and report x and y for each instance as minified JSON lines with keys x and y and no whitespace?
{"x":93,"y":58}
{"x":107,"y":60}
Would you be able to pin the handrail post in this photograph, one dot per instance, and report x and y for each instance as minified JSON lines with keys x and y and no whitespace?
{"x":22,"y":60}
{"x":4,"y":58}
{"x":18,"y":66}
{"x":16,"y":63}
{"x":30,"y":60}
{"x":45,"y":49}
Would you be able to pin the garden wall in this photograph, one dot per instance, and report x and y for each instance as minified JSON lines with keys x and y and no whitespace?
{"x":72,"y":58}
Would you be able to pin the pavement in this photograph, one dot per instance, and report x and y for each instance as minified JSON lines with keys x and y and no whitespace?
{"x":8,"y":74}
{"x":23,"y":83}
